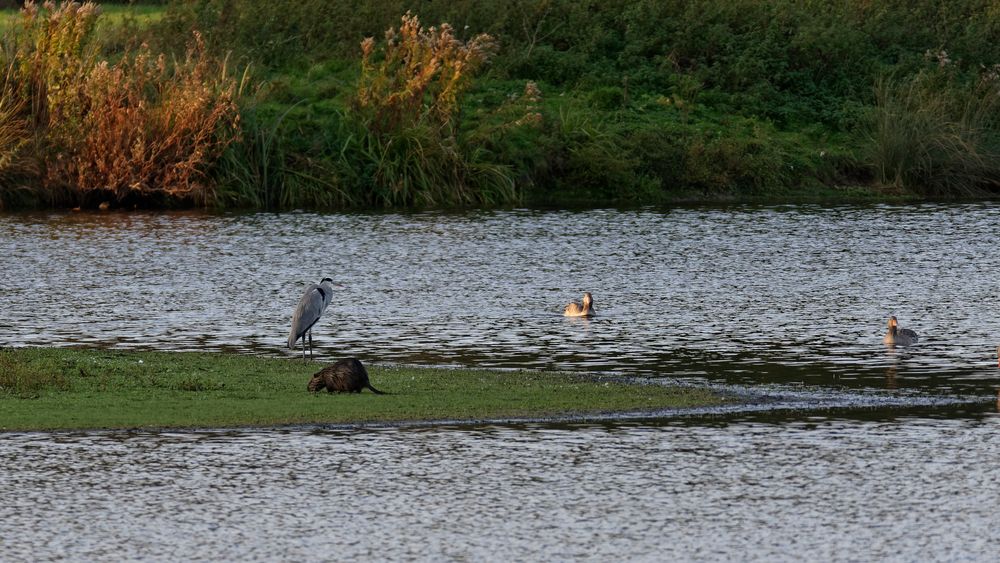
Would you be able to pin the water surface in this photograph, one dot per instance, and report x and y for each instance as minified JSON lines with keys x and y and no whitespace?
{"x":743,"y":294}
{"x":758,"y":488}
{"x":859,"y":452}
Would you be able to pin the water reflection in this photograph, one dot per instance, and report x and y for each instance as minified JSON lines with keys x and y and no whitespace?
{"x":789,"y":294}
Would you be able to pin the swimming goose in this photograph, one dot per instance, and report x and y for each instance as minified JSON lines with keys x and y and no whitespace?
{"x":576,"y":310}
{"x":900,"y":336}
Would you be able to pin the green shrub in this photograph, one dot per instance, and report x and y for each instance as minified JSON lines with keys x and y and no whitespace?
{"x":608,"y":98}
{"x":25,"y":379}
{"x":406,"y":112}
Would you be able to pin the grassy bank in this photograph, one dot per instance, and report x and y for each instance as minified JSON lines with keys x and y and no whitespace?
{"x":48,"y":389}
{"x":627,"y":101}
{"x":591,"y":102}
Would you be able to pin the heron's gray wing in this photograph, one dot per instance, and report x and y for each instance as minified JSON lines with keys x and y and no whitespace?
{"x":307,"y":312}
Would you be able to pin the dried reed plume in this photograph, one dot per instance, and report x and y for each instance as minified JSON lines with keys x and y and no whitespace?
{"x":421,"y":74}
{"x":407,"y":106}
{"x":152,"y":127}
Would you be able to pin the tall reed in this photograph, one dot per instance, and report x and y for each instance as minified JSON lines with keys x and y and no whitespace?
{"x":151,"y":128}
{"x":52,"y":57}
{"x":406,"y":110}
{"x":146,"y":129}
{"x":934,"y":137}
{"x":259,"y":171}
{"x":16,"y":167}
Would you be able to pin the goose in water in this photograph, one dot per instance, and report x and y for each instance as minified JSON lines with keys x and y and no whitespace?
{"x":574,"y":309}
{"x":900,"y":336}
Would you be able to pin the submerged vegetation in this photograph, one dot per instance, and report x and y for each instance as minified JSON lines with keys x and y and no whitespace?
{"x":330,"y":104}
{"x":83,"y":389}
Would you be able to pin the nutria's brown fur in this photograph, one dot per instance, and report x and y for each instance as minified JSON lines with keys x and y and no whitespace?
{"x":345,"y":376}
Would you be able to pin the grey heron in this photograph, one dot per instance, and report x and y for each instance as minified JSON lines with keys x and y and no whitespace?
{"x":311,"y":306}
{"x":896,"y":335}
{"x":576,"y":310}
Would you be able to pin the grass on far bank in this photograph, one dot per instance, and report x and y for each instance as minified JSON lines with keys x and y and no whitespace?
{"x":51,"y":389}
{"x":114,"y":16}
{"x":515,"y":103}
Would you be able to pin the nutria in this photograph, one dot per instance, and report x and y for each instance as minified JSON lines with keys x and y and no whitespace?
{"x":577,"y":310}
{"x":345,"y":376}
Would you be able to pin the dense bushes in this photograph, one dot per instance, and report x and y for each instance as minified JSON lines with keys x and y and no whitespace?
{"x":589,"y":100}
{"x":787,"y":59}
{"x":648,"y":99}
{"x":143,"y":130}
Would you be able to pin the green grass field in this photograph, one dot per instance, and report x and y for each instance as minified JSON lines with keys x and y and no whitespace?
{"x":50,"y":389}
{"x":112,"y":15}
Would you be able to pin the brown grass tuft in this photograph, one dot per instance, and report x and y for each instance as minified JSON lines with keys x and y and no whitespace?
{"x":145,"y":128}
{"x":152,"y":127}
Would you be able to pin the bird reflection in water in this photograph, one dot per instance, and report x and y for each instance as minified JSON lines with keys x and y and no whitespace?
{"x":581,"y":321}
{"x":890,"y":377}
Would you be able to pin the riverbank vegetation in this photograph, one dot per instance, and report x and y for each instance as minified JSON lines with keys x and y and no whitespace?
{"x":48,"y":389}
{"x":331,"y":104}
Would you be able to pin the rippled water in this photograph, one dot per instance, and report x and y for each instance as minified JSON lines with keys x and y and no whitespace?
{"x":819,"y":489}
{"x":742,"y":294}
{"x":898,"y":463}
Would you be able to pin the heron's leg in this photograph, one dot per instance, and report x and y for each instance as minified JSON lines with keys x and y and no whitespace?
{"x":310,"y":344}
{"x":303,"y":347}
